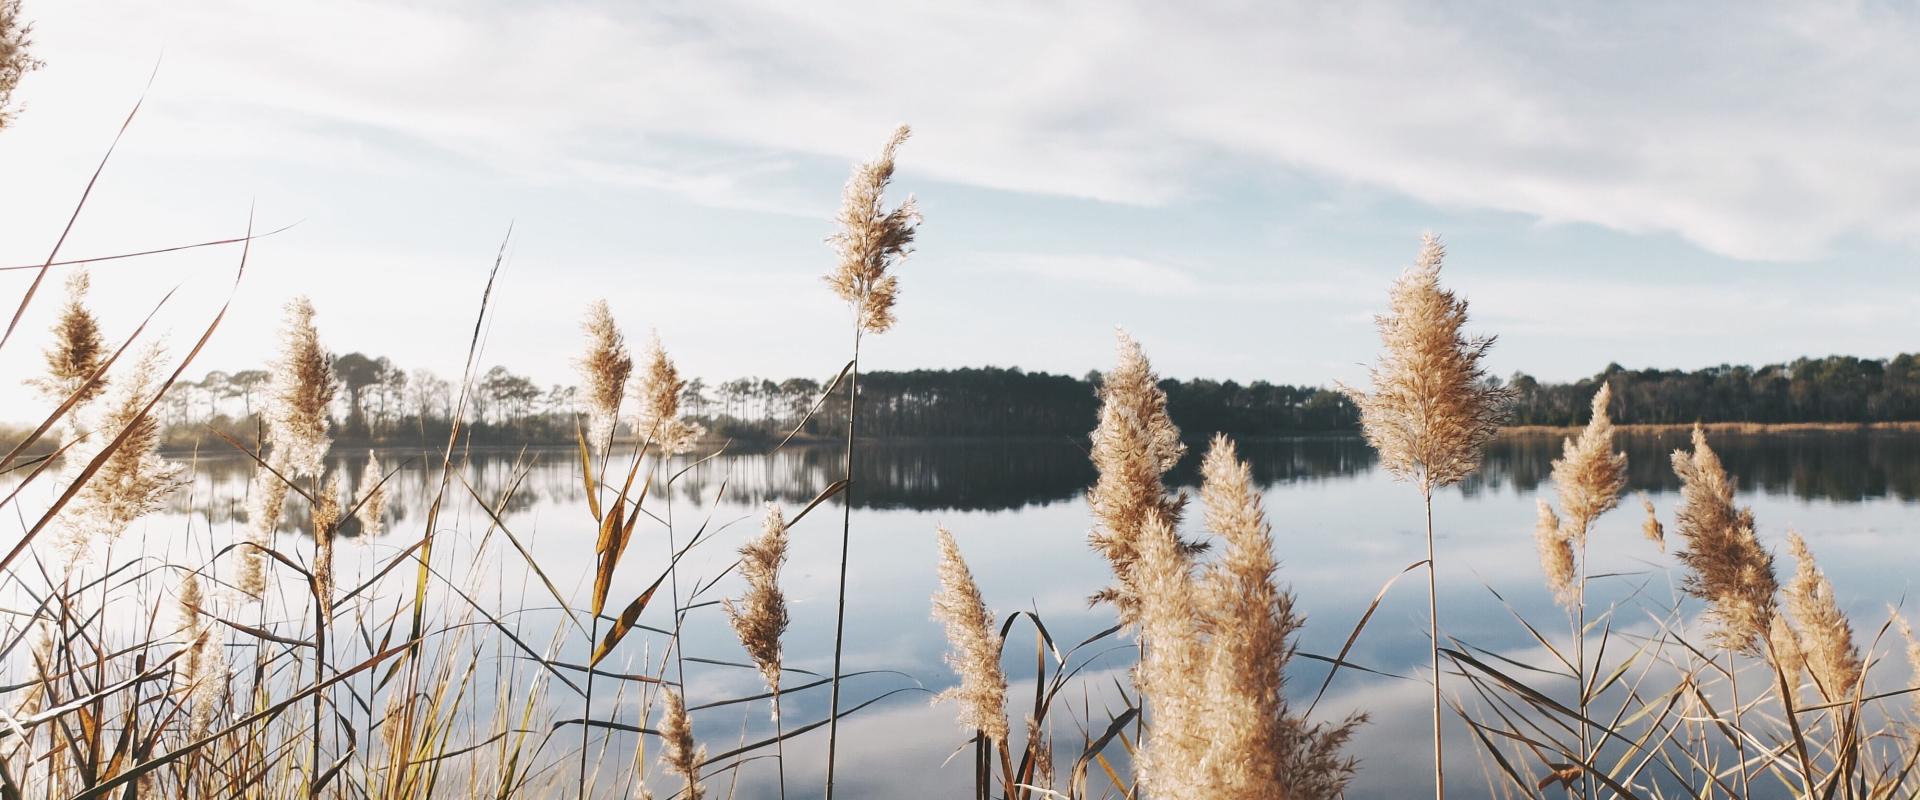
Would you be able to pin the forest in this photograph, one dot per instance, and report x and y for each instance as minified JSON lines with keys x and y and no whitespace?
{"x":381,"y":402}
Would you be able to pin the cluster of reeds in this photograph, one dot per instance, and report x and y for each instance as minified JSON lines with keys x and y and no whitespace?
{"x":322,"y":651}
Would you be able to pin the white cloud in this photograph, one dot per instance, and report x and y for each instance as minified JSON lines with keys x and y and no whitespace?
{"x":1760,"y":132}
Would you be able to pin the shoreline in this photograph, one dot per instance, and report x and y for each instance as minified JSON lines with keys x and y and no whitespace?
{"x":1720,"y":427}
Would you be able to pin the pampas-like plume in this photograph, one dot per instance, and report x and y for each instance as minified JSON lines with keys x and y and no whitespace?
{"x":15,"y":63}
{"x":1727,"y":566}
{"x":77,"y":350}
{"x":1172,"y":669}
{"x":134,"y":480}
{"x":658,"y":414}
{"x":1786,"y":653}
{"x":604,"y":369}
{"x":760,"y":617}
{"x":975,"y":657}
{"x":1556,"y":557}
{"x":1651,"y":527}
{"x":871,"y":239}
{"x":1432,"y":409}
{"x":326,"y":522}
{"x":1134,"y":445}
{"x":1826,"y":637}
{"x":202,"y":669}
{"x":373,"y":499}
{"x":1913,"y":653}
{"x":1589,"y":474}
{"x":303,"y":387}
{"x":265,"y":501}
{"x":1254,"y":747}
{"x":679,"y":755}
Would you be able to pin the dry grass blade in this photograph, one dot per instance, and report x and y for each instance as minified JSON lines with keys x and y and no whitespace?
{"x":107,"y":451}
{"x":26,"y":299}
{"x":1354,"y":635}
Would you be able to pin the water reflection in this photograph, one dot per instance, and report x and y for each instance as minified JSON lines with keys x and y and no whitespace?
{"x":1842,"y":466}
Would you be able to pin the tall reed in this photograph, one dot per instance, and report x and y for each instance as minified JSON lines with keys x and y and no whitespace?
{"x":1214,"y":670}
{"x":1431,"y":412}
{"x":1589,"y":476}
{"x":871,"y":239}
{"x":759,"y":618}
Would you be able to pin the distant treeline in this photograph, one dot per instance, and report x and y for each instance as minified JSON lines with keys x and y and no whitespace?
{"x":1833,"y":389}
{"x":384,"y":404}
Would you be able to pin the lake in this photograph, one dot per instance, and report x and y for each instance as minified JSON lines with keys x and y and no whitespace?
{"x":1342,"y":528}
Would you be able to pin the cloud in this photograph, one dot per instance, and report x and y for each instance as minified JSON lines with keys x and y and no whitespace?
{"x":1782,"y":134}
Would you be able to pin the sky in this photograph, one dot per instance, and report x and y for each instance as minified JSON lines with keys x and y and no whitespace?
{"x":1653,"y":184}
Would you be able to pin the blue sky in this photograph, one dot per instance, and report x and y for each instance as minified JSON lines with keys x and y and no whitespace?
{"x":1670,"y":185}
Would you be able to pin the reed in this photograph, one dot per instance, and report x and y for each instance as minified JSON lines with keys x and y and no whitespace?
{"x":329,"y":674}
{"x":869,"y":241}
{"x":1430,"y":413}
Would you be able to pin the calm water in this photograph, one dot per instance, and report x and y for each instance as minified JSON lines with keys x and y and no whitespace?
{"x":1342,"y":528}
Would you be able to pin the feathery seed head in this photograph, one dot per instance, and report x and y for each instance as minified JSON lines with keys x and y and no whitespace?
{"x":326,"y":523}
{"x":134,"y":480}
{"x":266,"y":499}
{"x":1134,"y":445}
{"x":15,"y":63}
{"x":659,"y":404}
{"x":679,"y":755}
{"x":1172,"y":673}
{"x":760,"y":617}
{"x":302,"y":390}
{"x":373,"y":501}
{"x":1556,"y":557}
{"x":202,"y":669}
{"x":1726,"y":565}
{"x":1432,"y":409}
{"x":975,"y":657}
{"x":77,"y":350}
{"x":604,"y":368}
{"x":871,"y":239}
{"x":1913,"y":653}
{"x":1651,"y":527}
{"x":1589,"y":474}
{"x":1826,"y":636}
{"x":1787,"y":656}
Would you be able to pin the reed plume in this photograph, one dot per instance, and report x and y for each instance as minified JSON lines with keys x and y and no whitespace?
{"x":1589,"y":474}
{"x":975,"y":657}
{"x":1256,"y":748}
{"x":326,"y":523}
{"x":1826,"y":636}
{"x":266,"y":499}
{"x":1726,"y":565}
{"x":373,"y":499}
{"x":303,"y":388}
{"x":1134,"y":445}
{"x":134,"y":480}
{"x":1651,"y":527}
{"x":1172,"y":667}
{"x":679,"y":755}
{"x":1785,"y":652}
{"x":202,"y":669}
{"x":1556,"y":557}
{"x":16,"y":38}
{"x":77,"y":350}
{"x":1432,"y":411}
{"x":871,"y":239}
{"x":1913,"y":656}
{"x":760,"y":617}
{"x":604,"y":368}
{"x":659,"y":404}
